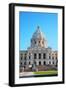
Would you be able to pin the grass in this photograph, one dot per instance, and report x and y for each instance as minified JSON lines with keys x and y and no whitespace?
{"x":46,"y":72}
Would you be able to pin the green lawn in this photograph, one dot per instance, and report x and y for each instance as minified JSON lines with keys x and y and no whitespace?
{"x":46,"y":72}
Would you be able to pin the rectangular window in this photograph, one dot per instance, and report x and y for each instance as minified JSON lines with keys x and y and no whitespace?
{"x":35,"y":56}
{"x":21,"y":56}
{"x":39,"y":55}
{"x":44,"y":56}
{"x":25,"y":56}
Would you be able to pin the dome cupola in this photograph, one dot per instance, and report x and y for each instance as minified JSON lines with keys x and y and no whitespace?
{"x":38,"y":34}
{"x":38,"y":39}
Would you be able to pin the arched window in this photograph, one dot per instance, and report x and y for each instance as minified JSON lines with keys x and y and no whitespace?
{"x":44,"y":62}
{"x":39,"y":62}
{"x":53,"y":62}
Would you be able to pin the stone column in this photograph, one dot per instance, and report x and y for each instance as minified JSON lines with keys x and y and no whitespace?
{"x":27,"y":58}
{"x":42,"y":56}
{"x":37,"y":55}
{"x":51,"y":62}
{"x":37,"y":63}
{"x":42,"y":62}
{"x":46,"y":62}
{"x":47,"y":55}
{"x":54,"y":56}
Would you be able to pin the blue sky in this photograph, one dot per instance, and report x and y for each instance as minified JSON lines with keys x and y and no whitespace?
{"x":28,"y":22}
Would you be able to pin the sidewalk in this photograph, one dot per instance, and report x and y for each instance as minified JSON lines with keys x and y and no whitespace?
{"x":26,"y":74}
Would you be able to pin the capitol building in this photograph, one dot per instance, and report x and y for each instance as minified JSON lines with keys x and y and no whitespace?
{"x":38,"y":57}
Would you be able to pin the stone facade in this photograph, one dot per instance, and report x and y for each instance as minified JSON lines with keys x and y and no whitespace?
{"x":38,"y":54}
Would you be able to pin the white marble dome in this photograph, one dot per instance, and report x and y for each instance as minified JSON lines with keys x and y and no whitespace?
{"x":38,"y":34}
{"x":38,"y":39}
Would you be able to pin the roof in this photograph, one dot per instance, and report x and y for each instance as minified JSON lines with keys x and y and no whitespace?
{"x":38,"y":34}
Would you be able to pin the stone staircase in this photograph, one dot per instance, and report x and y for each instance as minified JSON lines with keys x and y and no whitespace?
{"x":46,"y":67}
{"x":41,"y":68}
